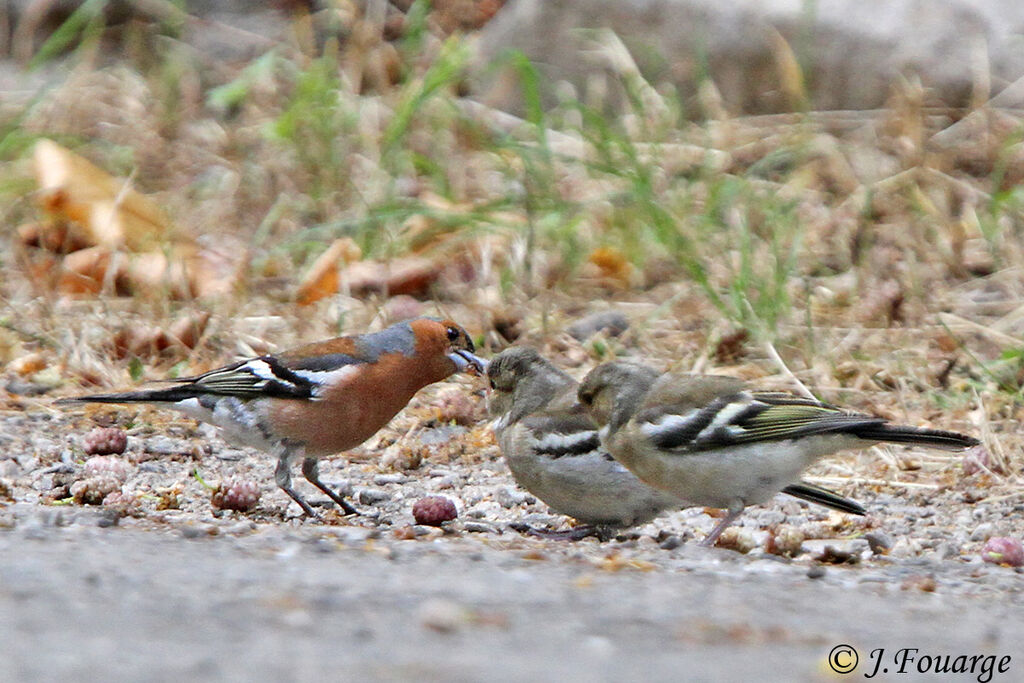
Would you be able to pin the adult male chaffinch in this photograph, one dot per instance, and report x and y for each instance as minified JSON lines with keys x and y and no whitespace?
{"x":553,"y":450}
{"x":713,"y":441}
{"x":317,"y":399}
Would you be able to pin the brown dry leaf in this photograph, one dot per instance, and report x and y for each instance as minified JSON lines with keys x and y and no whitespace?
{"x":412,"y":276}
{"x":28,"y":364}
{"x":106,"y":210}
{"x":791,"y":76}
{"x":180,"y":272}
{"x":146,"y":341}
{"x":56,"y":237}
{"x":322,"y":278}
{"x":83,"y":271}
{"x":730,"y":347}
{"x":140,"y":341}
{"x":612,"y":264}
{"x":188,"y":329}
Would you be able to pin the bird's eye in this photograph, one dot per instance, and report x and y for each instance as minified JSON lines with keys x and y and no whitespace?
{"x":493,"y":385}
{"x":453,"y":334}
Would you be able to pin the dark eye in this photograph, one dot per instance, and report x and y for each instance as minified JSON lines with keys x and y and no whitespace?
{"x":453,"y":334}
{"x":493,"y":385}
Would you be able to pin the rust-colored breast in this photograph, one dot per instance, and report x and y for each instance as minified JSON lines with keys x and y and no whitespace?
{"x":356,"y":407}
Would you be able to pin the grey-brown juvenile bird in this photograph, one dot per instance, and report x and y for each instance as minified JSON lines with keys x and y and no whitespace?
{"x":713,"y":441}
{"x":318,"y":399}
{"x":553,"y":450}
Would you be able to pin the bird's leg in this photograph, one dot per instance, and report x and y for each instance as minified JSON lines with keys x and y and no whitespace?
{"x":311,"y":470}
{"x":283,"y":477}
{"x":735,"y":510}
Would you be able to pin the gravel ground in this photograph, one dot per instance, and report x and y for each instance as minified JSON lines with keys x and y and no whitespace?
{"x":160,"y":594}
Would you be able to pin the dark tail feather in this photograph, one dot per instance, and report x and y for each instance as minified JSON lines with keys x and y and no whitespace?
{"x":823,"y":496}
{"x":169,"y":395}
{"x":918,"y":436}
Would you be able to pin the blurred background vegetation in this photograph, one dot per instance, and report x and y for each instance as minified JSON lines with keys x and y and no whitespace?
{"x":210,"y":184}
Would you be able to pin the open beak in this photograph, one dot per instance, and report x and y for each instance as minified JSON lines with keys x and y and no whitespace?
{"x":467,"y":362}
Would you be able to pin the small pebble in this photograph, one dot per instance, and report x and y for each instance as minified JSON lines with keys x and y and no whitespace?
{"x":786,"y":541}
{"x":509,"y":498}
{"x":441,"y":615}
{"x":738,"y":539}
{"x":815,"y":572}
{"x":372,"y":496}
{"x":384,"y":479}
{"x":612,"y":322}
{"x":983,"y":531}
{"x":878,"y":541}
{"x":671,"y":542}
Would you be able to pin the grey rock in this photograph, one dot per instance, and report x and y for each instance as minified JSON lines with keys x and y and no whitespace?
{"x":671,"y":543}
{"x":372,"y":496}
{"x":983,"y":531}
{"x":509,"y":498}
{"x":878,"y":541}
{"x":384,"y":479}
{"x":836,"y":549}
{"x":480,"y":528}
{"x":853,"y":51}
{"x":611,"y":322}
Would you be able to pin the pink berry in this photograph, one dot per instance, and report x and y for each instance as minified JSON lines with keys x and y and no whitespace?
{"x":123,"y":503}
{"x":92,"y":490}
{"x":105,"y":441}
{"x":107,"y":466}
{"x":236,"y":494}
{"x":433,"y":510}
{"x":1003,"y":550}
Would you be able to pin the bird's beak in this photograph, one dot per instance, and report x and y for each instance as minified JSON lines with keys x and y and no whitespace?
{"x":467,"y":362}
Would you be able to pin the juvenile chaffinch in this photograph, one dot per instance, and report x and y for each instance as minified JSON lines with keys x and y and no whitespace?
{"x":713,"y":441}
{"x":317,"y":399}
{"x":553,"y":450}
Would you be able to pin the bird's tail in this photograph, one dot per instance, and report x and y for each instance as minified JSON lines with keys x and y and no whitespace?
{"x":916,"y":436}
{"x":168,"y":395}
{"x":823,"y":496}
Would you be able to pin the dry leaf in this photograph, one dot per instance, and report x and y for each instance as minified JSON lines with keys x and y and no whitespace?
{"x":84,"y":271}
{"x":322,"y":278}
{"x":188,"y":329}
{"x":28,"y":364}
{"x":412,"y":276}
{"x":106,"y":210}
{"x":612,"y":264}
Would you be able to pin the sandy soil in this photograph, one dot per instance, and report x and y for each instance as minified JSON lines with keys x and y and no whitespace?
{"x":266,"y":595}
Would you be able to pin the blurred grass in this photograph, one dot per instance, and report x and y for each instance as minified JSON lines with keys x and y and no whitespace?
{"x":279,"y":156}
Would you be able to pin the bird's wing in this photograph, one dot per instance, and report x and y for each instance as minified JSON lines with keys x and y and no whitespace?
{"x":297,"y":373}
{"x":562,"y":433}
{"x":702,"y":415}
